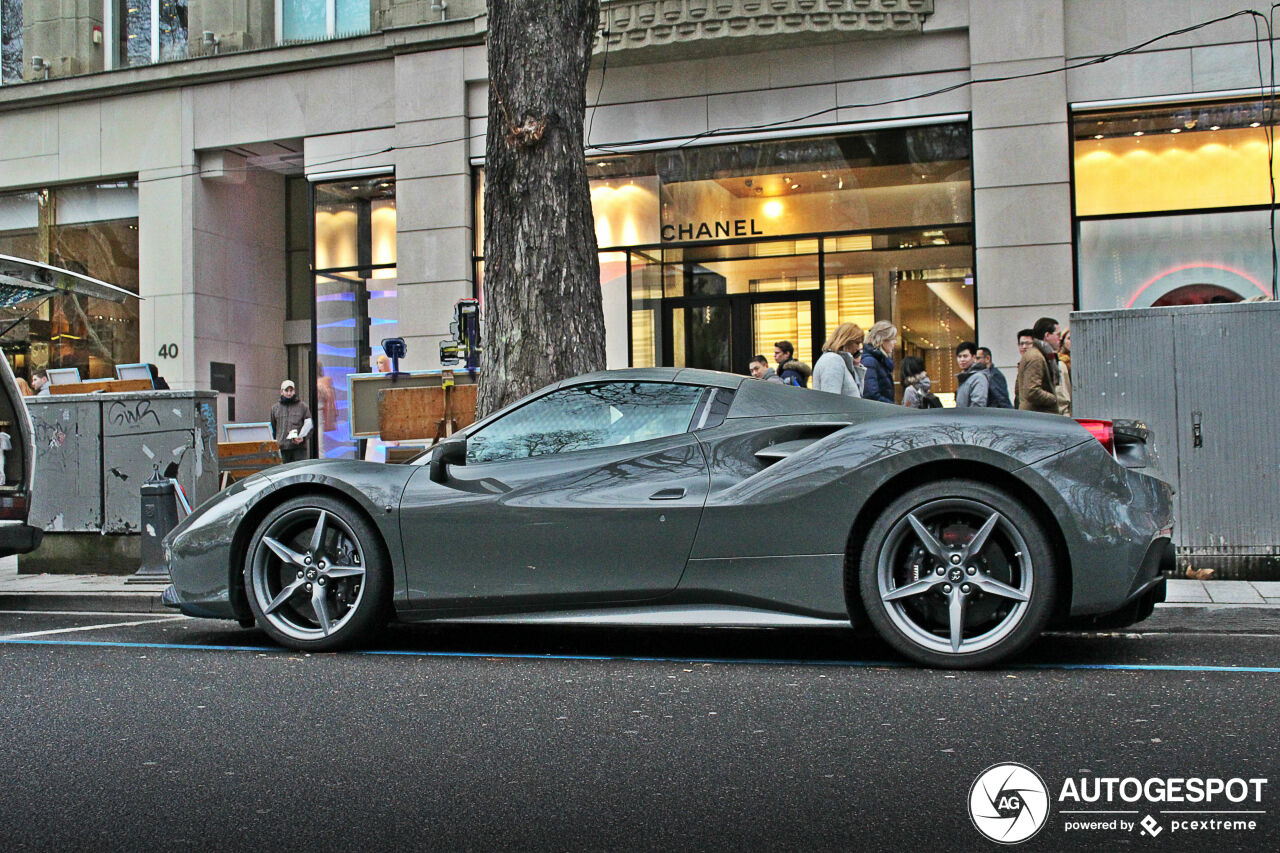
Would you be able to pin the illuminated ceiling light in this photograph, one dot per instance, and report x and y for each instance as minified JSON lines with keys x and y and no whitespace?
{"x":1216,"y":127}
{"x":795,"y":186}
{"x":1097,"y":136}
{"x":1176,"y":130}
{"x":1137,"y":133}
{"x":1256,"y":124}
{"x":773,"y":208}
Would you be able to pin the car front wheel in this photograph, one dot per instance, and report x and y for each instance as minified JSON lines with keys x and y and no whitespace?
{"x":315,"y":575}
{"x":957,"y":574}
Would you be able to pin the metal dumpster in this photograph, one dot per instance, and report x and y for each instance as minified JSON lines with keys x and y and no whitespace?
{"x":1202,"y":377}
{"x":94,"y":452}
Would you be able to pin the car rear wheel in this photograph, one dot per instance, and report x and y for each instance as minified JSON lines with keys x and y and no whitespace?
{"x":316,"y":576}
{"x":957,"y":574}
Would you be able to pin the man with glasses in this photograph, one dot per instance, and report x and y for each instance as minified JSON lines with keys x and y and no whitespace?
{"x":1038,"y":369}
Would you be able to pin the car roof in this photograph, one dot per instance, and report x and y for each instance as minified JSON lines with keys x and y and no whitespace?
{"x":682,"y":375}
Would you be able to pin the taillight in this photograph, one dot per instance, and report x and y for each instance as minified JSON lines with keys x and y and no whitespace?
{"x":1102,"y":431}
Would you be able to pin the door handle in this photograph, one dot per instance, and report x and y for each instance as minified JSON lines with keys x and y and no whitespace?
{"x":667,"y":495}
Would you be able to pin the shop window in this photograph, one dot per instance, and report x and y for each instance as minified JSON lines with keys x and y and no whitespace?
{"x":1171,"y":203}
{"x":356,"y":303}
{"x":1186,"y":259}
{"x":307,"y":20}
{"x":10,"y":41}
{"x":709,"y":243}
{"x":91,"y":230}
{"x":151,"y":31}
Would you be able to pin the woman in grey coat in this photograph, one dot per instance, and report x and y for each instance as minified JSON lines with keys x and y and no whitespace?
{"x":838,"y":371}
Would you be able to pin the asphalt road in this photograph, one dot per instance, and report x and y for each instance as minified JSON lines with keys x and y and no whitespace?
{"x":187,"y":734}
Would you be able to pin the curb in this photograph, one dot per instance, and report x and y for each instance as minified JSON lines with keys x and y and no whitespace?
{"x":85,"y":602}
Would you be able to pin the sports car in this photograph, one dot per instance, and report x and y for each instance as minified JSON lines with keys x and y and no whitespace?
{"x":671,"y":496}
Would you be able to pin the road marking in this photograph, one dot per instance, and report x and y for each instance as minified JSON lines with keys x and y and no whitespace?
{"x":90,"y":628}
{"x":850,"y":664}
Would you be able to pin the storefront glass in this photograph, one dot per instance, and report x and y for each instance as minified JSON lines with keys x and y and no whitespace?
{"x":724,"y":250}
{"x":355,"y":287}
{"x":1172,"y":205}
{"x":87,"y":229}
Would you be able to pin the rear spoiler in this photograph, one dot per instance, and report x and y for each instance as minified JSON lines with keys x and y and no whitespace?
{"x":1135,"y":444}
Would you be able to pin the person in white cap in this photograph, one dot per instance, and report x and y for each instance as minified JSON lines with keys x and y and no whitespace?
{"x":291,"y":423}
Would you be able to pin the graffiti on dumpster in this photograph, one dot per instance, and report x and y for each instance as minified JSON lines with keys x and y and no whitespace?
{"x":132,"y":415}
{"x":50,"y":435}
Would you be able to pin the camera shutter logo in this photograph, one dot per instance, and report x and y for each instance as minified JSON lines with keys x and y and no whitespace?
{"x":1009,"y":803}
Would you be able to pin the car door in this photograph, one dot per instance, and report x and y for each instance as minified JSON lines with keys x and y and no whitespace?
{"x":590,"y":493}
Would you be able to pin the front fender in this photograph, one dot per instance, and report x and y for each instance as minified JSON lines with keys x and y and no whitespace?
{"x":201,"y":551}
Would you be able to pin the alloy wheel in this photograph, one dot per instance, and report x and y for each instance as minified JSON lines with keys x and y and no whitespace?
{"x":307,"y":574}
{"x":955,"y":576}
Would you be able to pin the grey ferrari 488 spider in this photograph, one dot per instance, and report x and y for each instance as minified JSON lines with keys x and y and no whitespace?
{"x":685,"y":497}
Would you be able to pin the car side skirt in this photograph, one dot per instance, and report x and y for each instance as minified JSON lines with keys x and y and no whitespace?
{"x":675,"y":615}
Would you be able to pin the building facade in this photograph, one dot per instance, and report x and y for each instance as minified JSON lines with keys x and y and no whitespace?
{"x":286,"y":184}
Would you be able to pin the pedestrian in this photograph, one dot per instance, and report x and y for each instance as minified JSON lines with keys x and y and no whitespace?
{"x":1038,"y":369}
{"x":877,"y":358}
{"x":998,"y":387}
{"x":1024,"y":340}
{"x":837,"y":371}
{"x":1063,"y":388}
{"x":760,"y":369}
{"x":790,"y":370}
{"x":24,"y":387}
{"x":916,"y":384}
{"x":972,"y":382}
{"x":40,"y":383}
{"x":291,"y":423}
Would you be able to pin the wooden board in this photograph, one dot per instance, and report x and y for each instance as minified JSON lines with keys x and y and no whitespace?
{"x":107,"y":385}
{"x":239,"y":459}
{"x":463,"y":404}
{"x":408,"y":413}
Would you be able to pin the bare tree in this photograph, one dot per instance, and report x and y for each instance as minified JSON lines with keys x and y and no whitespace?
{"x":543,"y":317}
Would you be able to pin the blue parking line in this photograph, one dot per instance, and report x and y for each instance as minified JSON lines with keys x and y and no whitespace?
{"x":856,"y":664}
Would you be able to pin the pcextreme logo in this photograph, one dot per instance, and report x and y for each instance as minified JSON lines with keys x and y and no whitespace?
{"x":1009,"y":803}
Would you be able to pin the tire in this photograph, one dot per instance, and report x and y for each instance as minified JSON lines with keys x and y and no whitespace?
{"x":985,"y":606}
{"x":317,"y":592}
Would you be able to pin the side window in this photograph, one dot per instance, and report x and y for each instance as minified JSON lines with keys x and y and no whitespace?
{"x":585,"y":417}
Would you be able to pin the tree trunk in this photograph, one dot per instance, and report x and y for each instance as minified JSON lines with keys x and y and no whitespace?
{"x":543,"y":316}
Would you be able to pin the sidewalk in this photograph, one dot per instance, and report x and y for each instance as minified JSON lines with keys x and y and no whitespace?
{"x":110,"y":593}
{"x":77,"y":593}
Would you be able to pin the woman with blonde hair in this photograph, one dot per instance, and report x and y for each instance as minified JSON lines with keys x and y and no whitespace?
{"x":877,"y":358}
{"x":838,"y":371}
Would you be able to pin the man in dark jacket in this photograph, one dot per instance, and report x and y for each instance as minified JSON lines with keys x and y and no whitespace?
{"x":1038,"y":369}
{"x":291,"y":423}
{"x":791,"y":370}
{"x":997,"y":386}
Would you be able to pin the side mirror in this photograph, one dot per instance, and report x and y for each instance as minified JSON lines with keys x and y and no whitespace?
{"x":451,"y":452}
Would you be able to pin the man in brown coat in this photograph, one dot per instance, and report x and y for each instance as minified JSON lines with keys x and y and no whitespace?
{"x":1038,"y":369}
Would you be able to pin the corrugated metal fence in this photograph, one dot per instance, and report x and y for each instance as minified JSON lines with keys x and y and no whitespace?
{"x":1206,"y":378}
